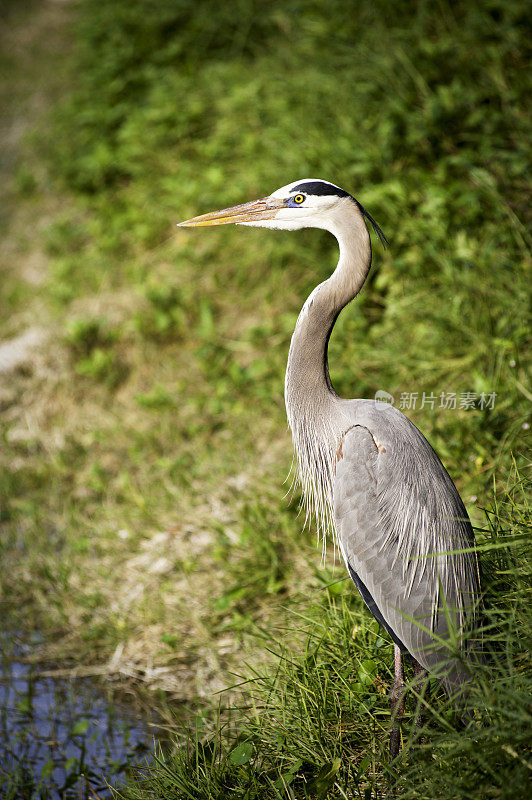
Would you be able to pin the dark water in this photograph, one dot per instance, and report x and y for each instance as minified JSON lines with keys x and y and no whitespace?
{"x":52,"y":731}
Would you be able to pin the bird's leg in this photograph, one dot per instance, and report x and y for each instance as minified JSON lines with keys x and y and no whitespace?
{"x":397,"y":703}
{"x":420,"y":675}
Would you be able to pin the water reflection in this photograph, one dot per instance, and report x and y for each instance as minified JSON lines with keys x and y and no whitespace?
{"x":52,"y":731}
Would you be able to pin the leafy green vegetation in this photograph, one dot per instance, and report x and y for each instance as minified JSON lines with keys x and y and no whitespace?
{"x":316,"y":727}
{"x":142,"y":506}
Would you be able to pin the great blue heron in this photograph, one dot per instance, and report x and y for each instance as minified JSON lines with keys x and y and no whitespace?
{"x":366,"y":471}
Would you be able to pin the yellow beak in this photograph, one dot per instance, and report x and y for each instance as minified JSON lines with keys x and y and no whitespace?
{"x":265,"y":208}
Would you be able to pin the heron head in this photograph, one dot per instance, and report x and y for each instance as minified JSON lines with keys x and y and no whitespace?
{"x":306,"y":203}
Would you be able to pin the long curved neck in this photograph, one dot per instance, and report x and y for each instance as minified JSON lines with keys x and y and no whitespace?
{"x":308,"y":387}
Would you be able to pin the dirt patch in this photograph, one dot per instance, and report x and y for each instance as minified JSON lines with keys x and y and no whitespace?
{"x":18,"y":352}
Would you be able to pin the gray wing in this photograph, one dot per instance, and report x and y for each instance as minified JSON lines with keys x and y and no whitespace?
{"x":402,"y":528}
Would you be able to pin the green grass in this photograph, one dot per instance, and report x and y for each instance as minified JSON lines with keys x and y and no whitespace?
{"x":145,"y":446}
{"x":316,"y":725}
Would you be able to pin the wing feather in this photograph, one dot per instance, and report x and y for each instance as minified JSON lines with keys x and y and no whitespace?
{"x":404,"y":531}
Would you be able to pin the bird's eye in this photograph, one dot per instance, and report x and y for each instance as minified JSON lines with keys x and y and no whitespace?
{"x":299,"y":198}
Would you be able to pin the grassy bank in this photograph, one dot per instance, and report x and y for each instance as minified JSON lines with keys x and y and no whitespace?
{"x":317,"y":725}
{"x":143,"y":515}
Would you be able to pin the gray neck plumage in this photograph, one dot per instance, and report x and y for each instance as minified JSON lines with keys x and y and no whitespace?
{"x":311,"y":402}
